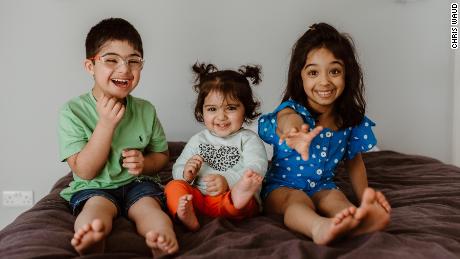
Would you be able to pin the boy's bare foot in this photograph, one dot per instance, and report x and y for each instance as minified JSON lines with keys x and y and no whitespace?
{"x":330,"y":229}
{"x":374,"y":212}
{"x":244,"y":189}
{"x":186,"y":213}
{"x":89,"y":238}
{"x":162,"y":242}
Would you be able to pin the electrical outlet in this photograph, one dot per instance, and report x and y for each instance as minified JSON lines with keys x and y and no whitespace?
{"x":18,"y":198}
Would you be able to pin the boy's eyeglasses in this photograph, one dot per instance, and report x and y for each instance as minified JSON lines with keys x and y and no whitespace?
{"x":114,"y":61}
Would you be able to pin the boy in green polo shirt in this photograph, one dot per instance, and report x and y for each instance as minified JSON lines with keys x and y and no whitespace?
{"x":114,"y":142}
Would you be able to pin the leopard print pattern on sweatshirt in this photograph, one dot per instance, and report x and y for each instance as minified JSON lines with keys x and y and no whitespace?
{"x":220,"y":158}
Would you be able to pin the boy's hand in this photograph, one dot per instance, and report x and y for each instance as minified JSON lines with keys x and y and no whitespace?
{"x":133,"y":160}
{"x":300,"y":140}
{"x":216,"y":184}
{"x":110,"y":111}
{"x":192,"y":167}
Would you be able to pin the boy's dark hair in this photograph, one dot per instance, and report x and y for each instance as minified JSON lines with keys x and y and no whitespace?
{"x":350,"y":107}
{"x":232,"y":84}
{"x":112,"y":29}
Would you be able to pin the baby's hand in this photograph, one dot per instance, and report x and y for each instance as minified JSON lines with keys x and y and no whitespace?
{"x":216,"y":184}
{"x":133,"y":160}
{"x":110,"y":111}
{"x":300,"y":140}
{"x":192,"y":167}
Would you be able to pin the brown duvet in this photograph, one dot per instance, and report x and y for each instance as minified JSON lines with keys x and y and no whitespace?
{"x":424,"y":194}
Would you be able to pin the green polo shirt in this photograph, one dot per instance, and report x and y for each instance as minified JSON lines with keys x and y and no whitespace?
{"x":138,"y":129}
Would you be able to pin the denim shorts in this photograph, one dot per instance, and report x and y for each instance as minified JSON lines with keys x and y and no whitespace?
{"x":122,"y":197}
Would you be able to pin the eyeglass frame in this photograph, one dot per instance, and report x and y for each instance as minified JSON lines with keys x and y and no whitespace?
{"x":124,"y":60}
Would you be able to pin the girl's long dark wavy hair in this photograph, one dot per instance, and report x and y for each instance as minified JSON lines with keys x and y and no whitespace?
{"x":232,"y":84}
{"x":350,"y":107}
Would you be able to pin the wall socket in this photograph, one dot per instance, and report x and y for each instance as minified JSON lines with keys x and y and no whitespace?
{"x":18,"y":198}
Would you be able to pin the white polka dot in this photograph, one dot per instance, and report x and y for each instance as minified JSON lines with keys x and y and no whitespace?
{"x":323,"y":154}
{"x":343,"y":149}
{"x":336,"y":160}
{"x":362,"y":147}
{"x":301,"y":167}
{"x":287,"y":158}
{"x":313,"y":156}
{"x":349,"y":128}
{"x":285,"y":150}
{"x":321,"y":135}
{"x":365,"y":136}
{"x":312,"y":184}
{"x":328,"y":134}
{"x":303,"y":113}
{"x":288,"y":168}
{"x":340,"y":141}
{"x":312,"y":165}
{"x":344,"y":133}
{"x":277,"y":164}
{"x":265,"y":129}
{"x":324,"y":148}
{"x":319,"y":172}
{"x":273,"y":120}
{"x":297,"y":158}
{"x":318,"y":146}
{"x":366,"y":124}
{"x":299,"y":175}
{"x":370,"y":145}
{"x":262,"y":120}
{"x":284,"y":176}
{"x":271,"y":136}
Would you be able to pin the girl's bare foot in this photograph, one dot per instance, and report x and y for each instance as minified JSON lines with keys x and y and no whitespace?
{"x":186,"y":213}
{"x":89,"y":238}
{"x":382,"y":200}
{"x":244,"y":189}
{"x":330,"y":229}
{"x":374,"y":212}
{"x":162,"y":241}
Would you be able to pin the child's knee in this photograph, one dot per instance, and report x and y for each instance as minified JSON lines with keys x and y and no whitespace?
{"x":175,"y":185}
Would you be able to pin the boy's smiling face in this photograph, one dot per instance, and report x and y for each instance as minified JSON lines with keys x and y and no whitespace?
{"x":118,"y":81}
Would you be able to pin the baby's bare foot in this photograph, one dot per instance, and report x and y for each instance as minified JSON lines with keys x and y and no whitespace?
{"x":89,"y":238}
{"x":162,"y":242}
{"x":330,"y":229}
{"x":243,"y":191}
{"x":186,"y":213}
{"x":373,"y":212}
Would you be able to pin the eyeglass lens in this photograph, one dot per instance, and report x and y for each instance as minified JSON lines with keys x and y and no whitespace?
{"x":114,"y":61}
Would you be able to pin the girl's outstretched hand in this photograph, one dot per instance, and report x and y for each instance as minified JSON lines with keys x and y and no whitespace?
{"x":300,"y":140}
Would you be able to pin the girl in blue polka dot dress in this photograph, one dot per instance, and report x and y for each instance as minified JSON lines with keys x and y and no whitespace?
{"x":321,"y":122}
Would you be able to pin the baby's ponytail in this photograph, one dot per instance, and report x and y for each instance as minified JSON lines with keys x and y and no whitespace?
{"x":251,"y":72}
{"x":202,"y":70}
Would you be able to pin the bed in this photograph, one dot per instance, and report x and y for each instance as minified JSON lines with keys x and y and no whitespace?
{"x":424,"y":194}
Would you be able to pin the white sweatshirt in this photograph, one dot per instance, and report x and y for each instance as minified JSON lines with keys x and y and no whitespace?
{"x":228,"y":156}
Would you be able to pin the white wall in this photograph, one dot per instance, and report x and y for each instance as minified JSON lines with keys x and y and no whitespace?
{"x":403,"y":47}
{"x":456,"y":112}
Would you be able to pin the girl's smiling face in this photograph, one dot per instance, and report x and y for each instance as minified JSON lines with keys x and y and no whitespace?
{"x":323,"y":78}
{"x":222,"y":116}
{"x":114,"y":81}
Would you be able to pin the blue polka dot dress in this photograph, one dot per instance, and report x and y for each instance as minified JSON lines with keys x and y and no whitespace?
{"x":326,"y":151}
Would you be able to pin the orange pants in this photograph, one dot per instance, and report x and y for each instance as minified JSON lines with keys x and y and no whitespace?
{"x":213,"y":206}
